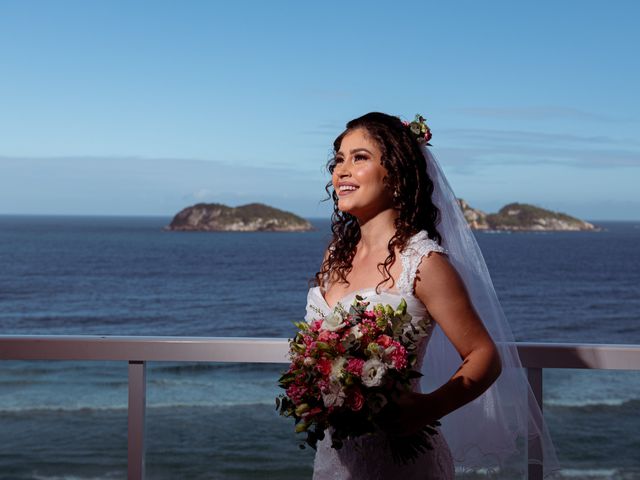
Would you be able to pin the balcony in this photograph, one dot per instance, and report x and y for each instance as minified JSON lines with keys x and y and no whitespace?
{"x":137,"y":351}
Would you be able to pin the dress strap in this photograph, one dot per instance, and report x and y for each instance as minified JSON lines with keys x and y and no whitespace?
{"x":417,"y":247}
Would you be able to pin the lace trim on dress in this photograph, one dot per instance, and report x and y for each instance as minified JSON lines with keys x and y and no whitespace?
{"x":418,"y":246}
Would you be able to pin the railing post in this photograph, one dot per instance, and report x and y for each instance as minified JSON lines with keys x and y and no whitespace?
{"x":534,"y":448}
{"x":136,"y":419}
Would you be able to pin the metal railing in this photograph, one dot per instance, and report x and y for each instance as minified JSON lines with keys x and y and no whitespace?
{"x":137,"y":351}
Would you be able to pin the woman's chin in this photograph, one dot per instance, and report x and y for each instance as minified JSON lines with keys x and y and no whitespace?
{"x":345,"y":206}
{"x":350,"y":209}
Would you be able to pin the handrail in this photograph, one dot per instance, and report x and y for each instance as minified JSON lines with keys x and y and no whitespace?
{"x":274,"y":350}
{"x":147,"y":349}
{"x":139,"y":350}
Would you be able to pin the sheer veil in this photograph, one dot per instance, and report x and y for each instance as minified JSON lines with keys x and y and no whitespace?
{"x":489,"y":434}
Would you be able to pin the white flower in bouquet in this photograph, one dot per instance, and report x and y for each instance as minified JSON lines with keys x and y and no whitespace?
{"x":333,"y":322}
{"x":334,"y":395}
{"x":373,"y":372}
{"x":336,"y":368}
{"x":356,"y":332}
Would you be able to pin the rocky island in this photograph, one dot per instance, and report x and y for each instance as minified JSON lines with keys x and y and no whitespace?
{"x":254,"y":217}
{"x":258,"y":217}
{"x":523,"y":217}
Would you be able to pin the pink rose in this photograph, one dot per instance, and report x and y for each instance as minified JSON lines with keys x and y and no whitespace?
{"x":324,"y":366}
{"x":355,"y":399}
{"x":384,"y":340}
{"x":399,"y":357}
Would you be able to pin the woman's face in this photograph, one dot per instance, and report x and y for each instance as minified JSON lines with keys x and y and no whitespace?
{"x":358,"y":176}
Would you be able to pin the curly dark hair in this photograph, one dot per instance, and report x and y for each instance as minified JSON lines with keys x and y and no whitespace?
{"x":407,"y":175}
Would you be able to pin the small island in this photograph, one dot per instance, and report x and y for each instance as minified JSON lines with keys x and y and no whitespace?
{"x":524,"y":218}
{"x":253,"y":217}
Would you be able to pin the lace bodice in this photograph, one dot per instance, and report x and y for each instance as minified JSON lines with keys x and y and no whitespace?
{"x":372,"y":459}
{"x":418,"y":245}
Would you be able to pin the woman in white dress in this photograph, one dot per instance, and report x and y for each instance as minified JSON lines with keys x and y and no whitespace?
{"x":383,"y":206}
{"x":386,"y":246}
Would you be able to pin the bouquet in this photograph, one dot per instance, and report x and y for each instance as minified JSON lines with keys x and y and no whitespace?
{"x":345,"y":368}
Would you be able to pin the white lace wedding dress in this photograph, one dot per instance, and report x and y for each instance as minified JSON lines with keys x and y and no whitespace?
{"x":372,"y":459}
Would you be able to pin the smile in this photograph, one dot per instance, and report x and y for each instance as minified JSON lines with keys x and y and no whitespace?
{"x":346,"y":190}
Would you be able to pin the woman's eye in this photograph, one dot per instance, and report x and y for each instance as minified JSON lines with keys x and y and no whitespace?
{"x":359,"y":157}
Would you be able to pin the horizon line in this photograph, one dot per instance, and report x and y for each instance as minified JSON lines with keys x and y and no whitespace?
{"x":141,"y":215}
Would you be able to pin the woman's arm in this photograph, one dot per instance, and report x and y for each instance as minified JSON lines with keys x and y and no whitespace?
{"x":443,"y":292}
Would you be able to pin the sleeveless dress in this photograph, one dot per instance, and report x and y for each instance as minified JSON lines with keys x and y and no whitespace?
{"x":369,"y":457}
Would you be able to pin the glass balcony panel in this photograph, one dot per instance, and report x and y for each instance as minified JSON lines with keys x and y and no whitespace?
{"x":219,"y":421}
{"x":593,"y":419}
{"x":63,"y":419}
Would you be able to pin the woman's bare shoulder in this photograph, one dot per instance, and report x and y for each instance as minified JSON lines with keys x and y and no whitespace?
{"x":437,"y":278}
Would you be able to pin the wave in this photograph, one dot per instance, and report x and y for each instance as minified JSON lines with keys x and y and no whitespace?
{"x":489,"y":472}
{"x":271,"y":403}
{"x":34,"y":409}
{"x":223,"y":384}
{"x":213,"y":366}
{"x":54,"y":382}
{"x":11,"y":409}
{"x":607,"y":473}
{"x":592,"y":402}
{"x":106,"y":476}
{"x":591,"y":473}
{"x":61,"y":408}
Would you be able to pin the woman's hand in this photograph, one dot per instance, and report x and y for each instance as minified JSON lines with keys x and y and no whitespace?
{"x":406,"y":414}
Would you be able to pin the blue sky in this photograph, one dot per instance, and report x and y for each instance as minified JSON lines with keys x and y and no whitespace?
{"x":147,"y":107}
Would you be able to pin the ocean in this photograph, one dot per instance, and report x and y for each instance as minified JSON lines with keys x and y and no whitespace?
{"x":126,"y":276}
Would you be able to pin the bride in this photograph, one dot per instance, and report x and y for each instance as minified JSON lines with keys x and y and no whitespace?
{"x":399,"y":233}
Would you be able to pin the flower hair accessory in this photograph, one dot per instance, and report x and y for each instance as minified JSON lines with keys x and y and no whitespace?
{"x":420,"y":129}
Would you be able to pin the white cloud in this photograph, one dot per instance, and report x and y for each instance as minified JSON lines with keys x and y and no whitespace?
{"x":538,"y":113}
{"x":480,"y":147}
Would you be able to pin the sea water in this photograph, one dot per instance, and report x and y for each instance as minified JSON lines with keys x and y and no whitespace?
{"x":126,"y":276}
